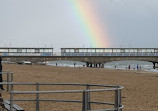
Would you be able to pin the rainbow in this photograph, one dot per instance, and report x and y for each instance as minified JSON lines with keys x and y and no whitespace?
{"x":89,"y":23}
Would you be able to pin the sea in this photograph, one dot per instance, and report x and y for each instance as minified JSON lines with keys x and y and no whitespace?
{"x":122,"y":65}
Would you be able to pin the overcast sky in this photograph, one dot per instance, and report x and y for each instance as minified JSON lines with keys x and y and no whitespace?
{"x":50,"y":23}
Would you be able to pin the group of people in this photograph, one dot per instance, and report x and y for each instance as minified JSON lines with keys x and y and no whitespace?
{"x":138,"y":67}
{"x":129,"y":67}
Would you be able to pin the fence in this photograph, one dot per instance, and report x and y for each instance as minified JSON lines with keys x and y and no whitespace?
{"x":86,"y":98}
{"x":9,"y":78}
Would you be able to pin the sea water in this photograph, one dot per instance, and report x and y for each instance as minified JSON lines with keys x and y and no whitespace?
{"x":134,"y":65}
{"x":123,"y":65}
{"x":63,"y":63}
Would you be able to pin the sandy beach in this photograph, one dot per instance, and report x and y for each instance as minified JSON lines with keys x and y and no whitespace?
{"x":140,"y":91}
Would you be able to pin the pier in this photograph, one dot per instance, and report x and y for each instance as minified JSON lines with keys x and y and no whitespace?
{"x":93,"y":57}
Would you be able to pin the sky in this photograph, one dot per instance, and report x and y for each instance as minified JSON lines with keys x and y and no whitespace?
{"x":79,"y":23}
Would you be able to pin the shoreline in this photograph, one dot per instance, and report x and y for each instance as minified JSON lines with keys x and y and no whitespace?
{"x":143,"y":69}
{"x":120,"y":69}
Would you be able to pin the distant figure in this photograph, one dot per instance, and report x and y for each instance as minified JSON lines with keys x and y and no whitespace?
{"x":129,"y":67}
{"x":1,"y":80}
{"x":137,"y":67}
{"x":140,"y":67}
{"x":56,"y":64}
{"x":74,"y":64}
{"x":115,"y":66}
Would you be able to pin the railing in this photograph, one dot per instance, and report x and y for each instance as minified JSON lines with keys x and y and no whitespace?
{"x":9,"y":78}
{"x":83,"y":54}
{"x":86,"y":98}
{"x":108,"y":54}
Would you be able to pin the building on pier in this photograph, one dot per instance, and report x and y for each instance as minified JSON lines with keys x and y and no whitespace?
{"x":10,"y":51}
{"x":109,"y":51}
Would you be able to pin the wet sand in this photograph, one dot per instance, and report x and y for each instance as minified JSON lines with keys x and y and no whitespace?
{"x":140,"y":91}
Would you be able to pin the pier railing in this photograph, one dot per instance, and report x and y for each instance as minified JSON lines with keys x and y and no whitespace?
{"x":86,"y":101}
{"x":107,"y":54}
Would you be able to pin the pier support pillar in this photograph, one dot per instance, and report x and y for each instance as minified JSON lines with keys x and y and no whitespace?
{"x":154,"y":63}
{"x":87,"y":64}
{"x":91,"y":65}
{"x":95,"y":65}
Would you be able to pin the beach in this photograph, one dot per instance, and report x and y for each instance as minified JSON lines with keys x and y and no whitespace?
{"x":140,"y":91}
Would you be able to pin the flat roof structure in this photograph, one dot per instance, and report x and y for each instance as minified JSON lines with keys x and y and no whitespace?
{"x":109,"y":50}
{"x":21,"y":51}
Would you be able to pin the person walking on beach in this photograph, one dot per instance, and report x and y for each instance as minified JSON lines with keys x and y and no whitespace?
{"x":137,"y":67}
{"x":129,"y":67}
{"x":140,"y":67}
{"x":1,"y":80}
